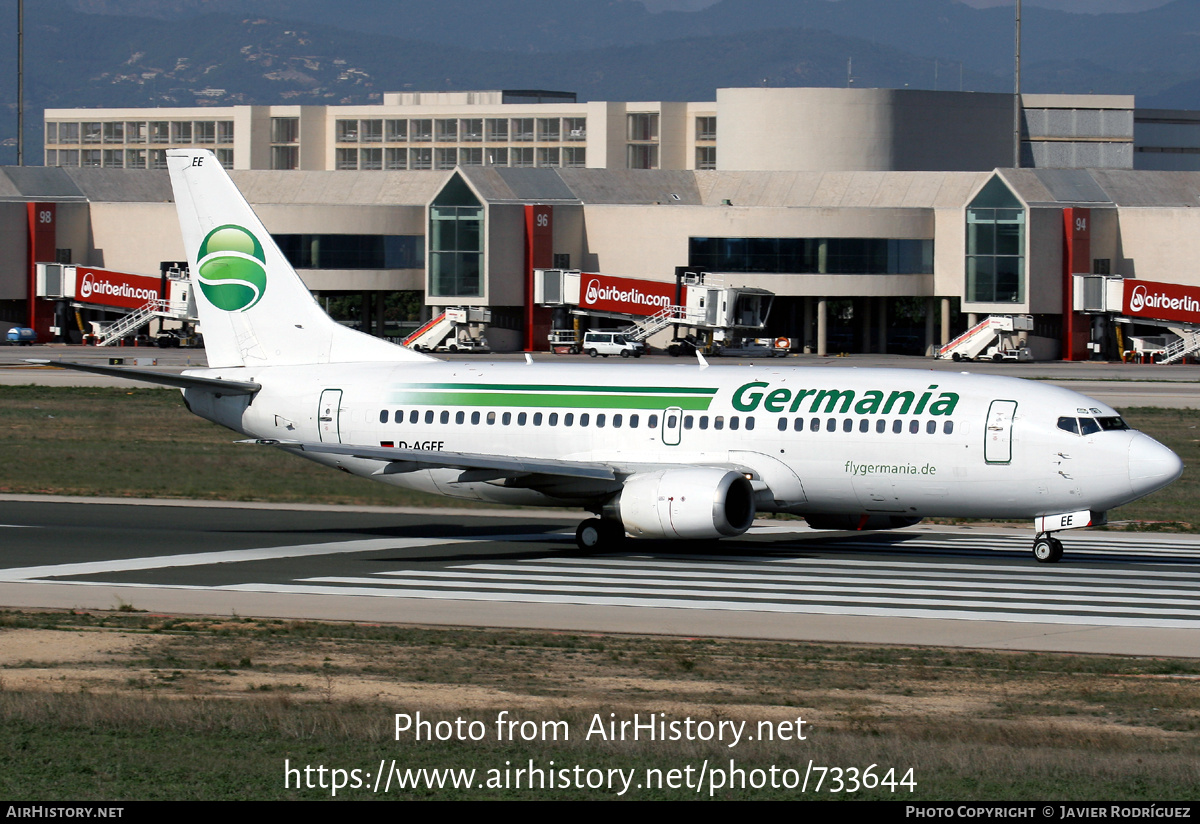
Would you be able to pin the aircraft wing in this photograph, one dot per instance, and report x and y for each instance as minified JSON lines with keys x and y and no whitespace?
{"x":216,"y":385}
{"x":408,"y":460}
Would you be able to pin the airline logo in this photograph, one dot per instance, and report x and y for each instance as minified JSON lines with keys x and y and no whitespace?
{"x":106,"y":288}
{"x":627,"y":295}
{"x":1164,"y":301}
{"x":749,"y":396}
{"x":231,"y":271}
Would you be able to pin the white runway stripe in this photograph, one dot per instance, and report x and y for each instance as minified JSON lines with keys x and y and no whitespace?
{"x":1118,"y":579}
{"x":671,"y":603}
{"x":821,"y":582}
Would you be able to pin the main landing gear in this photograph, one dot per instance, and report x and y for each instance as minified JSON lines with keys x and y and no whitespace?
{"x":599,"y":535}
{"x":1047,"y":549}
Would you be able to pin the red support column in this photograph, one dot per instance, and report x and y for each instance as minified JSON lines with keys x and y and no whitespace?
{"x":539,"y":254}
{"x":42,"y":239}
{"x":1077,"y":259}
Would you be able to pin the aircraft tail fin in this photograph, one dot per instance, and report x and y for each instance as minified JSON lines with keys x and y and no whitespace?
{"x":253,"y":307}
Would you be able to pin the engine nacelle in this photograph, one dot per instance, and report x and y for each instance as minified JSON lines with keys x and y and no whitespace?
{"x":855,"y":523}
{"x":695,"y":502}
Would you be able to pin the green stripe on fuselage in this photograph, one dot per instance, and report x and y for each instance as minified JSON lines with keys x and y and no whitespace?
{"x":565,"y":387}
{"x":550,"y":400}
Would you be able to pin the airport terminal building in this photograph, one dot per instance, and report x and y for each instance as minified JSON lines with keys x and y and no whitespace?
{"x":883,"y":220}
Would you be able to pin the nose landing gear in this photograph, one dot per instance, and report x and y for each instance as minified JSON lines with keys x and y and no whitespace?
{"x":1047,"y":549}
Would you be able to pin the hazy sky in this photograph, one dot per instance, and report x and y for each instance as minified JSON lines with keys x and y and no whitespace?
{"x":1092,"y":6}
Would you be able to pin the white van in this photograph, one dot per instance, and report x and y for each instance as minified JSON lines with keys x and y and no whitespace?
{"x":611,"y":343}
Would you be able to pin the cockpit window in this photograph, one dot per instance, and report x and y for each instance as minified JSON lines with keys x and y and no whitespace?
{"x":1089,"y":426}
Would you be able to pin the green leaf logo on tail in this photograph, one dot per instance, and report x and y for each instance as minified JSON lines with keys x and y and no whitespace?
{"x":232,"y":275}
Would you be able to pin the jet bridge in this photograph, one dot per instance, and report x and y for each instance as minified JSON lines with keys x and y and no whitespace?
{"x":1173,"y":309}
{"x":137,"y":299}
{"x":702,"y":309}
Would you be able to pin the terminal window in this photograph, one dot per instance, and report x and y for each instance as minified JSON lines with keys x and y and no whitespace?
{"x":995,"y":260}
{"x":816,"y":255}
{"x":456,"y":243}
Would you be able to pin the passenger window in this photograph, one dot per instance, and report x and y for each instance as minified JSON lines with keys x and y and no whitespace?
{"x":521,"y":418}
{"x":413,"y":416}
{"x":704,"y":422}
{"x":831,"y":425}
{"x":506,"y":418}
{"x":897,"y":427}
{"x":600,"y":420}
{"x":814,"y":425}
{"x":633,"y":421}
{"x":460,"y":416}
{"x":948,"y":427}
{"x":914,"y":427}
{"x":880,"y":426}
{"x":617,"y":421}
{"x":399,"y":416}
{"x":931,"y":428}
{"x":474,"y":418}
{"x":1069,"y":425}
{"x":583,"y":419}
{"x":429,"y":416}
{"x":783,"y":424}
{"x":749,"y":422}
{"x":537,"y":418}
{"x":798,"y":425}
{"x":719,"y":422}
{"x":445,"y":416}
{"x":383,"y":416}
{"x":554,"y":419}
{"x":848,"y":425}
{"x":652,"y":421}
{"x":569,"y":419}
{"x":864,"y":425}
{"x":688,"y":420}
{"x":491,"y":418}
{"x":733,"y":422}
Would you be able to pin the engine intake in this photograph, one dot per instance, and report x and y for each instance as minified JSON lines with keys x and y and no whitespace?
{"x":693,"y":502}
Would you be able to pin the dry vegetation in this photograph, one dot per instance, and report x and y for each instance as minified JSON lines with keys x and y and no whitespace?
{"x":125,"y":705}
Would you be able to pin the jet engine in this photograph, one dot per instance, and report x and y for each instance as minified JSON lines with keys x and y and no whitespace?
{"x":693,"y":502}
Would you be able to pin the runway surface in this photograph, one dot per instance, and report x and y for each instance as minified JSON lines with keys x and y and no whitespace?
{"x":974,"y":587}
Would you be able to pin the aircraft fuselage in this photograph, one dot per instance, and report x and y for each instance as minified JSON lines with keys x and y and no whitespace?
{"x":813,"y":440}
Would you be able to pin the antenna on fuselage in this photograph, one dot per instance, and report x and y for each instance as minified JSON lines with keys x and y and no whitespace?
{"x":700,"y":357}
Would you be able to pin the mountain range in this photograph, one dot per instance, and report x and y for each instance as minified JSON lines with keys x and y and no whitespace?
{"x":108,"y":53}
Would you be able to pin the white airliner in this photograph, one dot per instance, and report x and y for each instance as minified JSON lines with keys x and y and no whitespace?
{"x":667,"y":452}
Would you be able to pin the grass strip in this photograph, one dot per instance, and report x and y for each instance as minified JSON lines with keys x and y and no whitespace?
{"x":157,"y":707}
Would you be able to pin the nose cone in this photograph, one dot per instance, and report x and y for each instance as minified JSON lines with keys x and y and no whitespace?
{"x":1151,"y":465}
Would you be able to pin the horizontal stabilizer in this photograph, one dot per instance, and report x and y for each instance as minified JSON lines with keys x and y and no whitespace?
{"x":217,"y":386}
